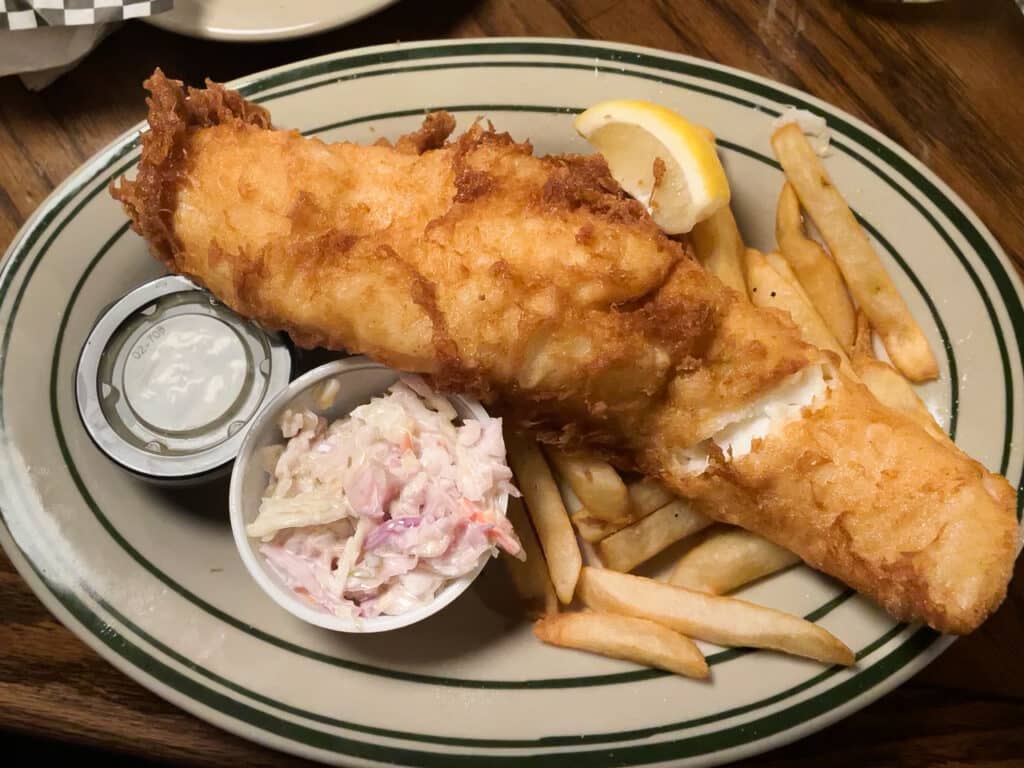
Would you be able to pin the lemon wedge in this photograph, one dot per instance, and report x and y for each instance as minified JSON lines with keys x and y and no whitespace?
{"x":633,"y":135}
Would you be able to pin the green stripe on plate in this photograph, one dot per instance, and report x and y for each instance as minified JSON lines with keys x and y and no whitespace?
{"x":546,"y":741}
{"x":616,"y":755}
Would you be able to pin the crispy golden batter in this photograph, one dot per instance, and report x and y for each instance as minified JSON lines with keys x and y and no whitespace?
{"x":537,"y":285}
{"x":534,"y":283}
{"x":870,"y":495}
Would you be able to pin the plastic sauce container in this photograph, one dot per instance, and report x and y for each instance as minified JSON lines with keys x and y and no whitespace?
{"x":169,"y":381}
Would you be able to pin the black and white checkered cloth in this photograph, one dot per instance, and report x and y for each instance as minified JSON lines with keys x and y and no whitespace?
{"x":29,"y":14}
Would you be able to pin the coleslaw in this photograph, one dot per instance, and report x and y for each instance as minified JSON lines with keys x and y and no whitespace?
{"x":372,"y":514}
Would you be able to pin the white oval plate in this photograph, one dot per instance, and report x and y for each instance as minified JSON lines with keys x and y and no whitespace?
{"x":261,"y":20}
{"x":151,"y":578}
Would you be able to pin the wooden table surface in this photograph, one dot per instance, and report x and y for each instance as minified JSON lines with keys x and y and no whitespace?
{"x":943,"y":80}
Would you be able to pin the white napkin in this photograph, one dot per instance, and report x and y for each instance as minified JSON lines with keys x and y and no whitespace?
{"x":42,"y":39}
{"x":40,"y":56}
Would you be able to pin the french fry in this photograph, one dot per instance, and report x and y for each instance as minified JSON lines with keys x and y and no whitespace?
{"x":770,"y":289}
{"x":721,"y":620}
{"x":892,"y":390}
{"x":815,"y":270}
{"x":887,"y":384}
{"x":595,"y":482}
{"x":589,"y":554}
{"x":544,"y":504}
{"x":719,"y":247}
{"x":647,"y":495}
{"x":780,"y":265}
{"x":593,"y":529}
{"x":863,"y":347}
{"x":727,"y":559}
{"x":624,"y":637}
{"x":530,"y":577}
{"x":626,"y":549}
{"x":866,"y":277}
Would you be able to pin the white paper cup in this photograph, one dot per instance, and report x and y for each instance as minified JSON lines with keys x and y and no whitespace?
{"x":359,"y":380}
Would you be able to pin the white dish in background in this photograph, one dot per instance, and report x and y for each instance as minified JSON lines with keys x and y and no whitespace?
{"x":261,"y":20}
{"x":152,"y":580}
{"x":359,"y":379}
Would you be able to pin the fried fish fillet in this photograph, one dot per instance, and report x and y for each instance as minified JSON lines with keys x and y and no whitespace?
{"x":537,"y":285}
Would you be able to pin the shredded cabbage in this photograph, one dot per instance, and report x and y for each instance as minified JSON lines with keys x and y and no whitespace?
{"x":374,"y":513}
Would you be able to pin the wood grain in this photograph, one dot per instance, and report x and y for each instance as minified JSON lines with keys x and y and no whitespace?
{"x":942,"y":79}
